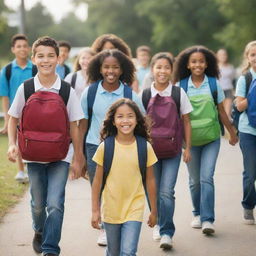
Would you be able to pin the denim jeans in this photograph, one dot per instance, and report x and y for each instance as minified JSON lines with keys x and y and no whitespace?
{"x":201,"y":171}
{"x":122,"y":239}
{"x":166,"y":172}
{"x":91,"y":165}
{"x":248,"y":148}
{"x":47,"y":188}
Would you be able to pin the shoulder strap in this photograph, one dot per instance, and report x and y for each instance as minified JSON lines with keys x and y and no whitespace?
{"x":8,"y":72}
{"x":34,"y":70}
{"x":146,"y":95}
{"x":213,"y":88}
{"x":176,"y":96}
{"x":29,"y":88}
{"x":248,"y":80}
{"x":73,"y":80}
{"x":127,"y":92}
{"x":184,"y":84}
{"x":64,"y":91}
{"x":66,"y":70}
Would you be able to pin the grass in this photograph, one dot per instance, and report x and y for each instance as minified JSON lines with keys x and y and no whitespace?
{"x":10,"y":190}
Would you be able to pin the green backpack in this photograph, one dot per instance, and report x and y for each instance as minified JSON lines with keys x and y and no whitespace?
{"x":204,"y":119}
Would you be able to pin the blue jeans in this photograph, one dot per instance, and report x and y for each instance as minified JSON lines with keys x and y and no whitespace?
{"x":91,"y":165}
{"x":201,"y":171}
{"x":166,"y":172}
{"x":47,"y":188}
{"x":122,"y":239}
{"x":248,"y":147}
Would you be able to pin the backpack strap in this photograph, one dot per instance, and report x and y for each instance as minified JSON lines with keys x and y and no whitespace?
{"x":176,"y":97}
{"x":66,"y":70}
{"x":248,"y":80}
{"x":127,"y":92}
{"x":146,"y":95}
{"x":8,"y":72}
{"x":64,"y":91}
{"x":109,"y":149}
{"x":73,"y":80}
{"x":34,"y":70}
{"x":29,"y":88}
{"x":184,"y":84}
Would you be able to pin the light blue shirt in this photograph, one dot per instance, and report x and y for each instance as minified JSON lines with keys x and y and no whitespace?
{"x":18,"y":76}
{"x":241,"y":92}
{"x":141,"y":73}
{"x":60,"y":70}
{"x":103,"y":101}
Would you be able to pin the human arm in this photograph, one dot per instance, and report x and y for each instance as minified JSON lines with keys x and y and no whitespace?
{"x":13,"y":150}
{"x":96,"y":189}
{"x":5,"y":107}
{"x":83,"y":126}
{"x":151,"y":189}
{"x":187,"y":136}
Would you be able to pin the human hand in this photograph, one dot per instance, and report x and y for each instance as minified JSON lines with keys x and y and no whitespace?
{"x":13,"y":153}
{"x":96,"y":219}
{"x":186,"y":155}
{"x":152,"y":220}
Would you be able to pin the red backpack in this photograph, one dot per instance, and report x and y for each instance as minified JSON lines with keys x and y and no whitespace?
{"x":43,"y":133}
{"x":167,"y":129}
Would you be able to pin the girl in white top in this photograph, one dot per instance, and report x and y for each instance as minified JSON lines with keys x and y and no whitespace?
{"x":78,"y":79}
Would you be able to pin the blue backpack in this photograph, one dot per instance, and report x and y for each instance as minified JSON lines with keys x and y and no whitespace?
{"x":109,"y":149}
{"x":251,"y":109}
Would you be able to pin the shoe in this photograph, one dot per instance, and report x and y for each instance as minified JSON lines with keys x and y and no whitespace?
{"x":196,"y":222}
{"x":156,"y":233}
{"x":208,"y":228}
{"x":21,"y":177}
{"x":37,"y":243}
{"x":249,"y":217}
{"x":50,"y":254}
{"x":166,"y":242}
{"x":102,"y":239}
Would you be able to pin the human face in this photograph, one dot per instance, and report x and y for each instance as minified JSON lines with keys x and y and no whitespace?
{"x":143,"y":58}
{"x":125,"y":120}
{"x":162,"y":71}
{"x":252,"y":57}
{"x":111,"y":71}
{"x":64,"y":53}
{"x":197,"y":64}
{"x":222,"y":56}
{"x":21,"y":49}
{"x":108,"y":46}
{"x":84,"y":60}
{"x":45,"y":59}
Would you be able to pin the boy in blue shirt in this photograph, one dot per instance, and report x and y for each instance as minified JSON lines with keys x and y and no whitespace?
{"x":11,"y":77}
{"x":62,"y":69}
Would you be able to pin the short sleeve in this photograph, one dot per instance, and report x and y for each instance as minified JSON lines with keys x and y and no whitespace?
{"x":4,"y":89}
{"x":185,"y":105}
{"x":241,"y":87}
{"x":99,"y":155}
{"x":68,"y":77}
{"x":152,"y":159}
{"x":220,"y":92}
{"x":84,"y":103}
{"x":18,"y":103}
{"x":138,"y":101}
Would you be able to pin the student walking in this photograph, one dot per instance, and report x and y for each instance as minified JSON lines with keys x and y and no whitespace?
{"x":168,"y":107}
{"x":45,"y":142}
{"x":63,"y":69}
{"x":12,"y":76}
{"x":245,"y":102}
{"x":196,"y":70}
{"x":110,"y":73}
{"x":123,"y":198}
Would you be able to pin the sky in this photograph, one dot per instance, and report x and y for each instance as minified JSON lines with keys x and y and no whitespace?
{"x":57,"y":8}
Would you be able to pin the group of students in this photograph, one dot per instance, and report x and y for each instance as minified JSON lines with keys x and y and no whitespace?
{"x":111,"y":131}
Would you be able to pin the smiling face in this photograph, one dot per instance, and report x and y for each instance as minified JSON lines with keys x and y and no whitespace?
{"x":84,"y":60}
{"x":251,"y":56}
{"x":45,"y":59}
{"x":111,"y":71}
{"x":197,"y":64}
{"x":21,"y":49}
{"x":162,"y":71}
{"x":125,"y":120}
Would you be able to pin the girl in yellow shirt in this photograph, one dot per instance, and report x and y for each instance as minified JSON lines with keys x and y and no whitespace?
{"x":123,"y":196}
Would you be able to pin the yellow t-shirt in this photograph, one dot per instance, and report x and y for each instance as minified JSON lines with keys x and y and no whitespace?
{"x":123,"y":197}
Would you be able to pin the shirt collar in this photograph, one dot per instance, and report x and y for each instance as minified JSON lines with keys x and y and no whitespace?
{"x":118,"y":91}
{"x":253,"y":72}
{"x":166,"y":92}
{"x":38,"y":86}
{"x":29,"y":64}
{"x":190,"y":82}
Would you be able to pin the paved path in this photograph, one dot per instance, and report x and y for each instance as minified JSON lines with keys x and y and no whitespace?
{"x":232,"y":237}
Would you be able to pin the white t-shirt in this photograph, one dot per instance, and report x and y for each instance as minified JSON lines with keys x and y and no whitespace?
{"x":185,"y":105}
{"x":74,"y":109}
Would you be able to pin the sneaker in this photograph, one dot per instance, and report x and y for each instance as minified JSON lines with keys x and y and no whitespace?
{"x":37,"y":243}
{"x":208,"y":228}
{"x":21,"y":177}
{"x":102,"y":239}
{"x":166,"y":242}
{"x":196,"y":222}
{"x":249,"y":217}
{"x":156,"y":233}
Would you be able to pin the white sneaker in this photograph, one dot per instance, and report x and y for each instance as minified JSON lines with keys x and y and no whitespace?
{"x":166,"y":242}
{"x":249,"y":217}
{"x":102,"y":239}
{"x":196,"y":222}
{"x":208,"y":228}
{"x":21,"y":177}
{"x":156,"y":233}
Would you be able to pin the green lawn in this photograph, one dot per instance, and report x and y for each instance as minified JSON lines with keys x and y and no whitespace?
{"x":10,"y":189}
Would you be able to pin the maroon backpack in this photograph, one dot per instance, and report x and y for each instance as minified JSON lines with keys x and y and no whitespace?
{"x":167,"y":129}
{"x":43,"y":133}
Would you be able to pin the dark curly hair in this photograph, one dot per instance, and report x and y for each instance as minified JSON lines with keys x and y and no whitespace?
{"x":143,"y":125}
{"x":119,"y":44}
{"x":127,"y":66}
{"x":181,"y":70}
